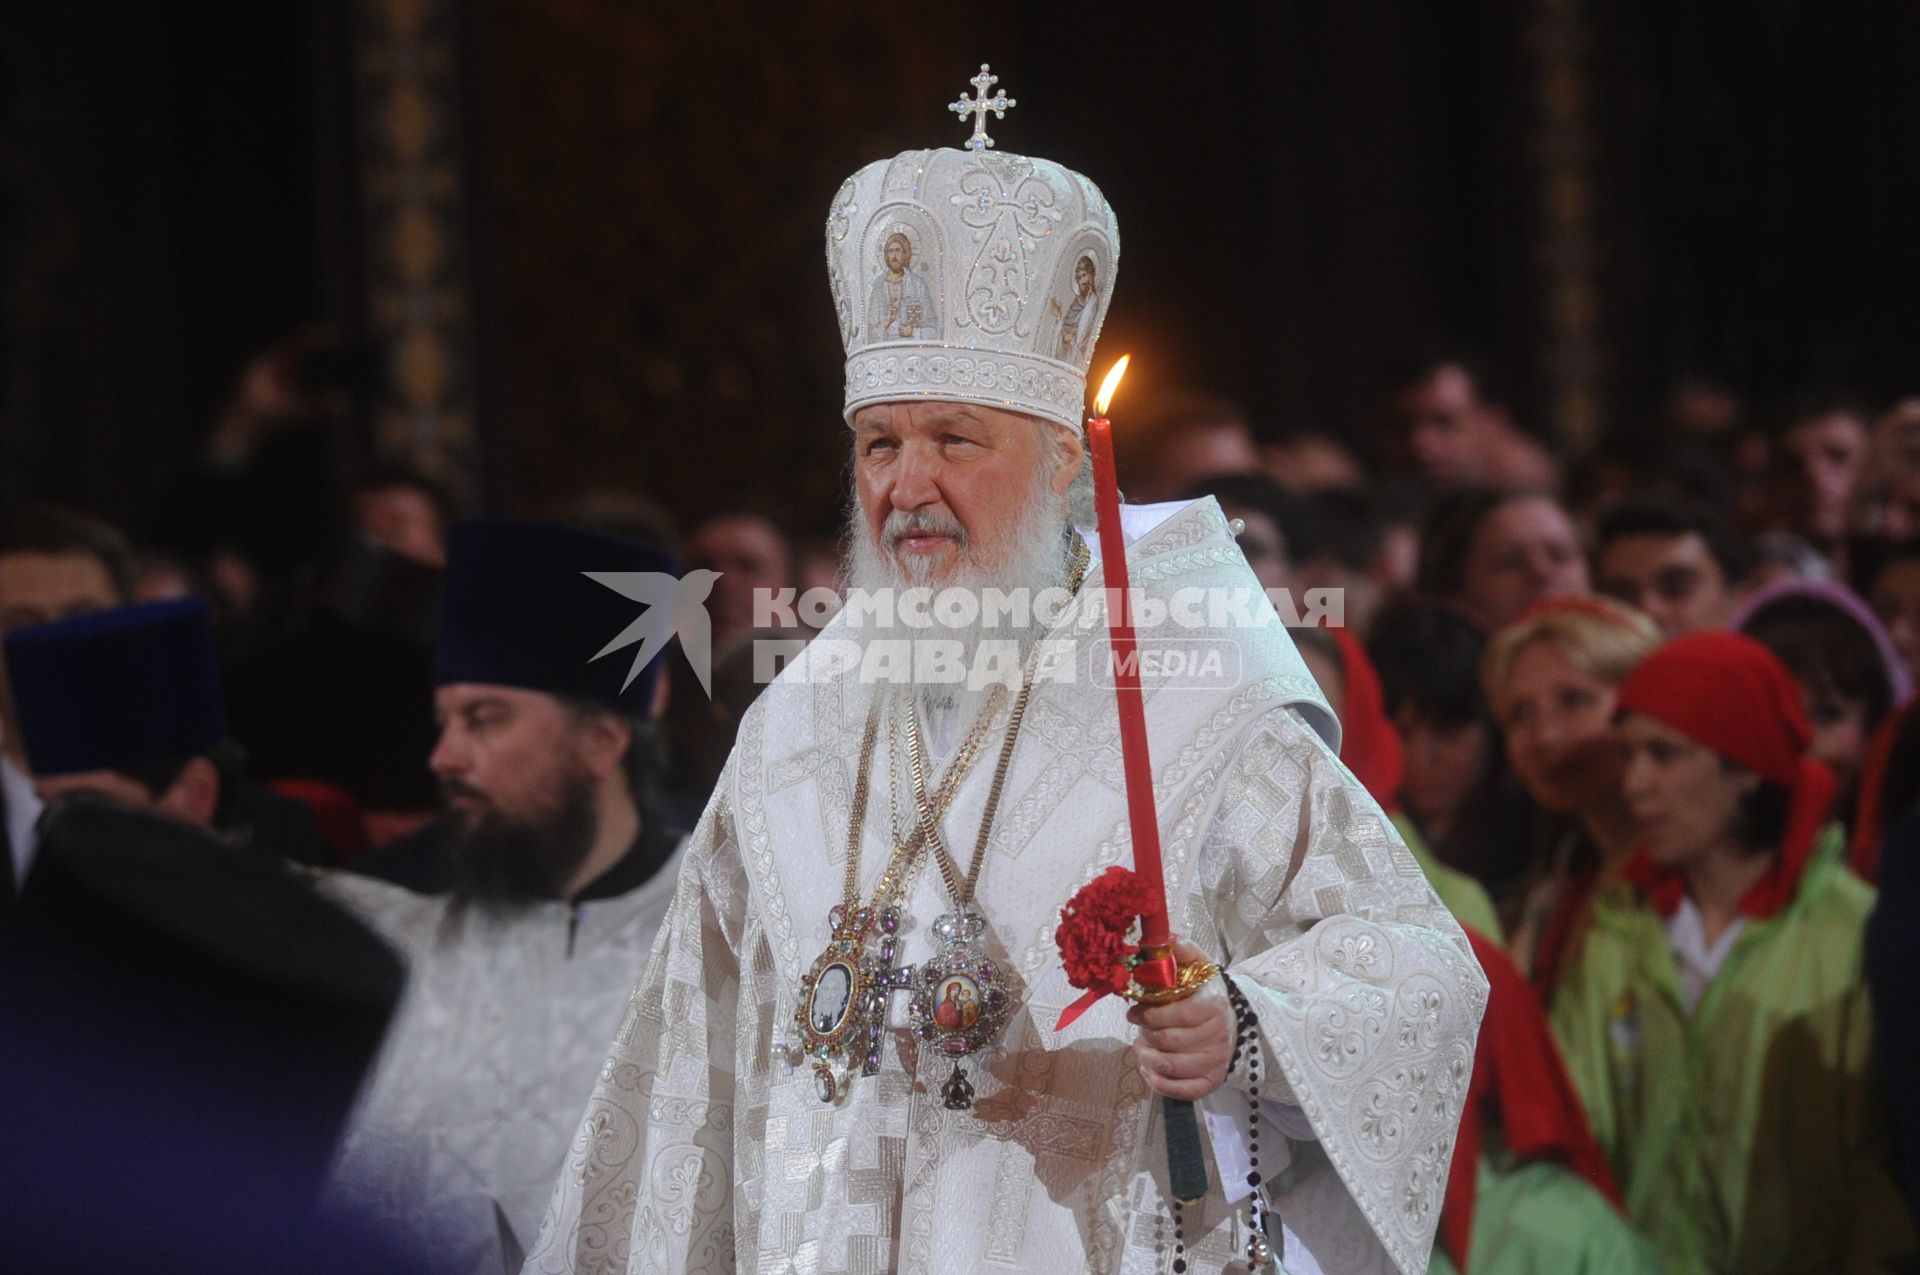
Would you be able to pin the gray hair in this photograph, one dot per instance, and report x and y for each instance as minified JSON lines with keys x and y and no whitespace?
{"x":1054,"y":445}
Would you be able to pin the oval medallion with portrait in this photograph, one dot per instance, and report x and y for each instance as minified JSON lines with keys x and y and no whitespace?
{"x":832,"y":998}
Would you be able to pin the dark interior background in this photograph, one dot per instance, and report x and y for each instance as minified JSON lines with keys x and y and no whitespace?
{"x":637,"y":193}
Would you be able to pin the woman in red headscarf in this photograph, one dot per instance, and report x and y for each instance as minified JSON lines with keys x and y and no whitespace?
{"x":1715,"y":1020}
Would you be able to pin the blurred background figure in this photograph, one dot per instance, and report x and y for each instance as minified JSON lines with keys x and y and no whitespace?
{"x":1702,"y":407}
{"x":1179,"y":438}
{"x":1893,"y":590}
{"x":55,"y":564}
{"x":1893,"y":953}
{"x":406,"y":511}
{"x":1678,"y":563}
{"x":1447,"y":426}
{"x":1493,"y":554}
{"x":1370,"y":747}
{"x":1787,"y":555}
{"x":1269,"y":518}
{"x":125,"y":705}
{"x":1886,"y":497}
{"x":1326,"y":545}
{"x":1552,"y":679}
{"x":1455,"y":791}
{"x":1722,"y":974}
{"x":1819,"y":448}
{"x":1528,"y":1188}
{"x":614,"y":511}
{"x":194,"y":1025}
{"x":164,"y":577}
{"x":751,"y":554}
{"x":817,"y":565}
{"x":1306,"y":460}
{"x":1847,"y":667}
{"x":1346,"y":541}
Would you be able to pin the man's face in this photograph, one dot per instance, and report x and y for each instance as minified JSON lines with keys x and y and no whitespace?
{"x":1674,"y":579}
{"x":944,"y":486}
{"x":898,"y":254}
{"x":38,"y":588}
{"x":518,"y":793}
{"x":750,"y":554}
{"x":405,"y":520}
{"x":1442,"y":422}
{"x":1083,"y":277}
{"x":1525,"y":550}
{"x":1817,"y":463}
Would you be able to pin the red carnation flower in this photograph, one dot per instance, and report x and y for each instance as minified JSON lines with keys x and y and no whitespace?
{"x":1094,"y":927}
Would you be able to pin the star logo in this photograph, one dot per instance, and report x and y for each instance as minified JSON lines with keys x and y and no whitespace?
{"x":675,"y":607}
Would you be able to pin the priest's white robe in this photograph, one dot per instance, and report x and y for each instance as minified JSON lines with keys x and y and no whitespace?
{"x":489,"y":1060}
{"x":699,"y":1153}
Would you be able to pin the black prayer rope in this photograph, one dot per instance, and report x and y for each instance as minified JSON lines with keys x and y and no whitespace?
{"x":1246,"y":1048}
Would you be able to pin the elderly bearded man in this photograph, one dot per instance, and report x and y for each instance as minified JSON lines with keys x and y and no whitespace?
{"x":730,"y":1131}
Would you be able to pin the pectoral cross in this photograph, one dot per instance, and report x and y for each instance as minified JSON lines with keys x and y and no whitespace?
{"x":883,"y":979}
{"x":979,"y":105}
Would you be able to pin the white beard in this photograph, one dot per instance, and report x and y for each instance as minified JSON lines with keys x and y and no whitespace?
{"x":1030,"y":555}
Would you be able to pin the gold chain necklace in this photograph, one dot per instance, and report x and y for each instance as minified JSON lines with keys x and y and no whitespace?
{"x":949,"y":783}
{"x":842,"y":1004}
{"x":961,"y":998}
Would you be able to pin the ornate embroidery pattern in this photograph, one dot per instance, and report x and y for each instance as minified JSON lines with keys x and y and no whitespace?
{"x":969,"y":263}
{"x":1006,"y":223}
{"x":959,"y":375}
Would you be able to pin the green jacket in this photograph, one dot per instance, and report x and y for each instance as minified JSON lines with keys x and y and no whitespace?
{"x":1538,"y":1218}
{"x":1750,"y":1138}
{"x":1465,"y":898}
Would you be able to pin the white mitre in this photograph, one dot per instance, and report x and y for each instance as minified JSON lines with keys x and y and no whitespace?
{"x":971,"y":275}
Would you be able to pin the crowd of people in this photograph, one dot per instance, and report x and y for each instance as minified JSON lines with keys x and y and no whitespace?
{"x":1646,"y":723}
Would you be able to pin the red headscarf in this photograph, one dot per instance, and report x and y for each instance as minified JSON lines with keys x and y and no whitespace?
{"x":1868,"y":829}
{"x":1519,"y":1082}
{"x":1730,"y":693}
{"x":1369,"y":746}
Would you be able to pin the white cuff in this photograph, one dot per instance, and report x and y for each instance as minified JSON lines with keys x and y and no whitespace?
{"x":1225,"y":1111}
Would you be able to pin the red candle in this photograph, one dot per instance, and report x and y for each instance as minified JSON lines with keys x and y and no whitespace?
{"x":1142,"y":817}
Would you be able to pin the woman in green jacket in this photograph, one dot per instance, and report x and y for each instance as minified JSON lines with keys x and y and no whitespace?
{"x":1716,"y":1021}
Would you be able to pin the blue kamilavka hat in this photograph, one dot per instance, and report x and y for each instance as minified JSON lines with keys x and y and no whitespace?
{"x":518,"y":609}
{"x":116,"y":689}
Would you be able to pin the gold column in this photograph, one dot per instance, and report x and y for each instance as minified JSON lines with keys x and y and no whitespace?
{"x":418,"y":297}
{"x":1561,"y":144}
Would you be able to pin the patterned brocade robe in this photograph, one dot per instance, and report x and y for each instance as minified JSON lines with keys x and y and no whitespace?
{"x":467,"y":1117}
{"x":699,"y":1153}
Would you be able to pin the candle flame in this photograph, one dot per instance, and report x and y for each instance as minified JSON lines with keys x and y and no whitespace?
{"x":1108,"y":386}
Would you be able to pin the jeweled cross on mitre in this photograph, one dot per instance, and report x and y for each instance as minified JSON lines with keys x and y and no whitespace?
{"x":978,"y":106}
